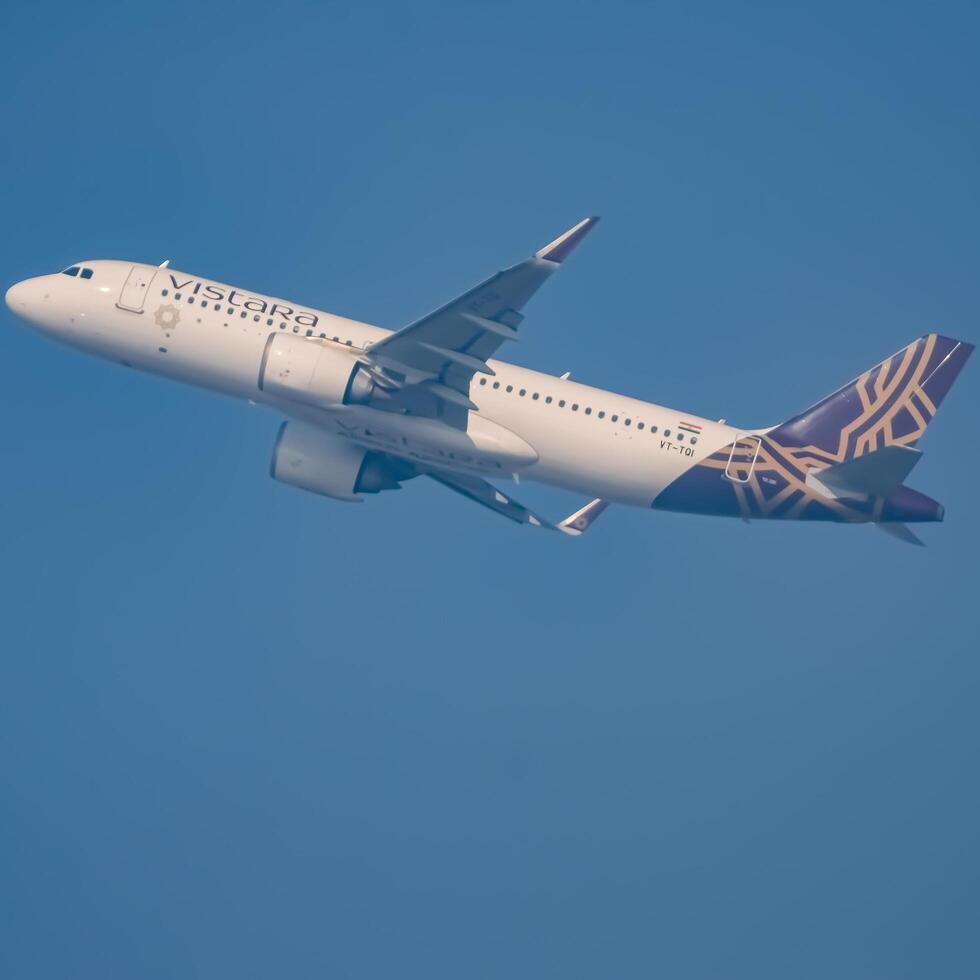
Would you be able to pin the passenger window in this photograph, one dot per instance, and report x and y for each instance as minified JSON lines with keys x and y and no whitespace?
{"x":547,"y":400}
{"x":653,"y":428}
{"x":204,"y":303}
{"x":561,"y":403}
{"x":163,"y":292}
{"x":190,"y":299}
{"x":614,"y":418}
{"x":639,"y":425}
{"x":177,"y":297}
{"x":602,"y":415}
{"x":680,"y":436}
{"x":483,"y":381}
{"x":535,"y":397}
{"x":694,"y":439}
{"x":588,"y":411}
{"x":666,"y":433}
{"x":628,"y":422}
{"x":510,"y":388}
{"x":522,"y":392}
{"x":86,"y":274}
{"x":575,"y":407}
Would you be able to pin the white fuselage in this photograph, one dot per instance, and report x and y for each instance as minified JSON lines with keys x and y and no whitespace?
{"x":213,"y":335}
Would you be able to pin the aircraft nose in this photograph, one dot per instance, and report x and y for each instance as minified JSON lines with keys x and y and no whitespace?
{"x":17,"y":296}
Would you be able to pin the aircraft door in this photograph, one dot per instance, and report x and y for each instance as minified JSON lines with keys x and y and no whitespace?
{"x":741,"y":460}
{"x":135,"y":288}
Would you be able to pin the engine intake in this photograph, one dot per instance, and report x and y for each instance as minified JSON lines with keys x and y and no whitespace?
{"x":309,"y":458}
{"x":313,"y":371}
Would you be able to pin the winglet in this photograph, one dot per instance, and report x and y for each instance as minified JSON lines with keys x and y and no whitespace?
{"x":579,"y":522}
{"x":563,"y":245}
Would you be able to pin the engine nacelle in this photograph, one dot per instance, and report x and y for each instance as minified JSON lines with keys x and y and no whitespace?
{"x":311,"y":459}
{"x":313,"y":371}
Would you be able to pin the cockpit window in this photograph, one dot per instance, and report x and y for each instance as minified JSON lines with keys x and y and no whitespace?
{"x":86,"y":274}
{"x":77,"y":270}
{"x":72,"y":271}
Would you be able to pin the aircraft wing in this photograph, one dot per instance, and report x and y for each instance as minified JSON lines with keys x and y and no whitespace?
{"x":426,"y":367}
{"x":489,"y":496}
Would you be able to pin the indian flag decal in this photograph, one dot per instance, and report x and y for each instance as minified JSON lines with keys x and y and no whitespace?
{"x":695,"y":430}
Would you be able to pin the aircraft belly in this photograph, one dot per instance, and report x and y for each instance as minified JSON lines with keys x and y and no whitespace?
{"x":603,"y":461}
{"x":484,"y":448}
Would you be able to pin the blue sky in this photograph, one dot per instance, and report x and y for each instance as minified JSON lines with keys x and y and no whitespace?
{"x":247,"y":732}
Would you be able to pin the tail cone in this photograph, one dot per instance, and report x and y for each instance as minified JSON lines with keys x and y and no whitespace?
{"x":908,"y":506}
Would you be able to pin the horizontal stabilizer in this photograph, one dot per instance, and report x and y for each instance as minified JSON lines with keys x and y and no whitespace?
{"x":901,"y":531}
{"x":879,"y":473}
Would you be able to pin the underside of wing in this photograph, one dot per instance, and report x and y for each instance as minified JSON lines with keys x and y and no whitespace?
{"x":496,"y":500}
{"x":489,"y":496}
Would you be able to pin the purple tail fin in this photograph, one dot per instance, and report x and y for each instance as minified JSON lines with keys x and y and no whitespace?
{"x":889,"y":405}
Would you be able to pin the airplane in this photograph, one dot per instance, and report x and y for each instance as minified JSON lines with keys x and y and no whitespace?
{"x":369,"y":408}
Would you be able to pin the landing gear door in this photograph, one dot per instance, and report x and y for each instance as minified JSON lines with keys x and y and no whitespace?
{"x":741,"y":460}
{"x":135,"y":288}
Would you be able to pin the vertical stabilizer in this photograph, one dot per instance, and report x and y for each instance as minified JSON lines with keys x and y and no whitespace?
{"x":844,"y":459}
{"x":889,"y":405}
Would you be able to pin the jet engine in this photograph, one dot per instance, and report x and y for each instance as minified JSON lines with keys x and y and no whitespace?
{"x":313,"y":371}
{"x":311,"y":459}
